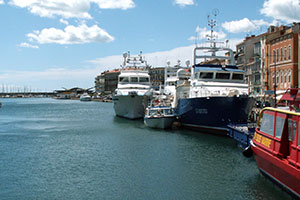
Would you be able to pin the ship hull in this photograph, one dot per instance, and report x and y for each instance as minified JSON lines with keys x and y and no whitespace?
{"x":163,"y":122}
{"x":131,"y":107}
{"x":279,"y":171}
{"x":213,"y":114}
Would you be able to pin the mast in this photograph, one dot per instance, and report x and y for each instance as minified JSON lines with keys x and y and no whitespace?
{"x":212,"y":22}
{"x":212,"y":48}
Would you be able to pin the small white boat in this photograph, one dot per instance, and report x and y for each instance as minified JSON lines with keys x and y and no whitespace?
{"x":159,"y":117}
{"x":159,"y":114}
{"x":85,"y":97}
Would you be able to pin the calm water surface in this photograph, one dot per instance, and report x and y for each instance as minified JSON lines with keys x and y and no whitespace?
{"x":64,"y":149}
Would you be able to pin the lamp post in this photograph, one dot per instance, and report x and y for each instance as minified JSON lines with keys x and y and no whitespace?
{"x":275,"y":86}
{"x":275,"y":76}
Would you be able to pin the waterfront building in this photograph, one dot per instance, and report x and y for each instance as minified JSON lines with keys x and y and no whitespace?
{"x":70,"y":93}
{"x":111,"y":80}
{"x":157,"y":77}
{"x":248,"y":58}
{"x":282,"y":57}
{"x":107,"y":81}
{"x":99,"y":83}
{"x":270,"y":60}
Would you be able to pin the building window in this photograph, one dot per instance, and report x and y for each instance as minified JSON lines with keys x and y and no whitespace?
{"x":284,"y":53}
{"x":277,"y":77}
{"x":281,"y":76}
{"x":285,"y":76}
{"x":290,"y":52}
{"x":277,"y":55}
{"x":274,"y":56}
{"x":290,"y":76}
{"x":273,"y":78}
{"x":281,"y":54}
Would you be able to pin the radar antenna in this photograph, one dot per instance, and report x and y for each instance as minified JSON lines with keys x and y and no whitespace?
{"x":212,"y":22}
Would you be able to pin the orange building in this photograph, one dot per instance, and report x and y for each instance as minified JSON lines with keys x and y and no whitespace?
{"x":282,"y":57}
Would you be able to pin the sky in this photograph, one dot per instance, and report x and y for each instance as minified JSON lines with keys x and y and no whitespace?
{"x":46,"y":45}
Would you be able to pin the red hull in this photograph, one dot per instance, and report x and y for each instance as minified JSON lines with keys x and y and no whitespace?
{"x":279,"y":170}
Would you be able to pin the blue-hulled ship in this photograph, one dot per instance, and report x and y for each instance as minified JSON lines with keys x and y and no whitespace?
{"x":216,"y":94}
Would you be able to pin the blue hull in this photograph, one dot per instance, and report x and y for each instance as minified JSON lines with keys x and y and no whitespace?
{"x":213,"y":114}
{"x":242,"y":133}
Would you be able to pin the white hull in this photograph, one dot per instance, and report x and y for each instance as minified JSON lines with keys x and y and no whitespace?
{"x":159,"y":122}
{"x":86,"y":99}
{"x":131,"y":107}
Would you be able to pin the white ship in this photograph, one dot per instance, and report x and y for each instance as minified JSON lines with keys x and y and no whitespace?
{"x":85,"y":97}
{"x":132,"y":94}
{"x":175,"y":76}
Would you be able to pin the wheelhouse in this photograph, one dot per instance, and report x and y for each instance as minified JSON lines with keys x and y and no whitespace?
{"x":160,"y":111}
{"x":278,"y":134}
{"x":220,"y":75}
{"x":134,"y":79}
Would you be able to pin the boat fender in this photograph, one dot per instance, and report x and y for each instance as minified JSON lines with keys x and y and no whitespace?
{"x":248,"y":151}
{"x":176,"y":125}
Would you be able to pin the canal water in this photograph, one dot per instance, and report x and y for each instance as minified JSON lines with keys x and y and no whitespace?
{"x":65,"y":149}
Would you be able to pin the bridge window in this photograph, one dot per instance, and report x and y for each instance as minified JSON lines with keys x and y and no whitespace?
{"x":124,"y":79}
{"x":134,"y":79}
{"x":299,"y":135}
{"x":144,"y":79}
{"x":267,"y":124}
{"x":236,"y":76}
{"x":279,"y":126}
{"x":223,"y":76}
{"x":292,"y":129}
{"x":206,"y":75}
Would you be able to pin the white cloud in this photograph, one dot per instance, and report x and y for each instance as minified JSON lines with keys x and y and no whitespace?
{"x":287,"y":10}
{"x":158,"y":58}
{"x":203,"y":33}
{"x":64,"y":21}
{"x":26,"y":45}
{"x":114,"y":4}
{"x":69,"y":8}
{"x":243,"y":25}
{"x":1,"y":2}
{"x":70,"y":35}
{"x":260,"y":22}
{"x":51,"y":8}
{"x":154,"y":59}
{"x":183,"y":3}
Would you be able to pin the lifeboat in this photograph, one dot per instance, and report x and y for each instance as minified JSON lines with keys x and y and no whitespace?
{"x":276,"y":142}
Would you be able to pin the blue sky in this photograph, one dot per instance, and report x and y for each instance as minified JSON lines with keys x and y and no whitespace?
{"x":50,"y":44}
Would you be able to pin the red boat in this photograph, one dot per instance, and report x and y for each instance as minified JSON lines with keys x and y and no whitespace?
{"x":276,"y":143}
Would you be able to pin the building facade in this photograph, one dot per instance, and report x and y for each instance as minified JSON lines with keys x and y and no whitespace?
{"x":107,"y":81}
{"x":270,"y":60}
{"x":157,"y":77}
{"x":99,"y":83}
{"x":249,"y":59}
{"x":282,"y":56}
